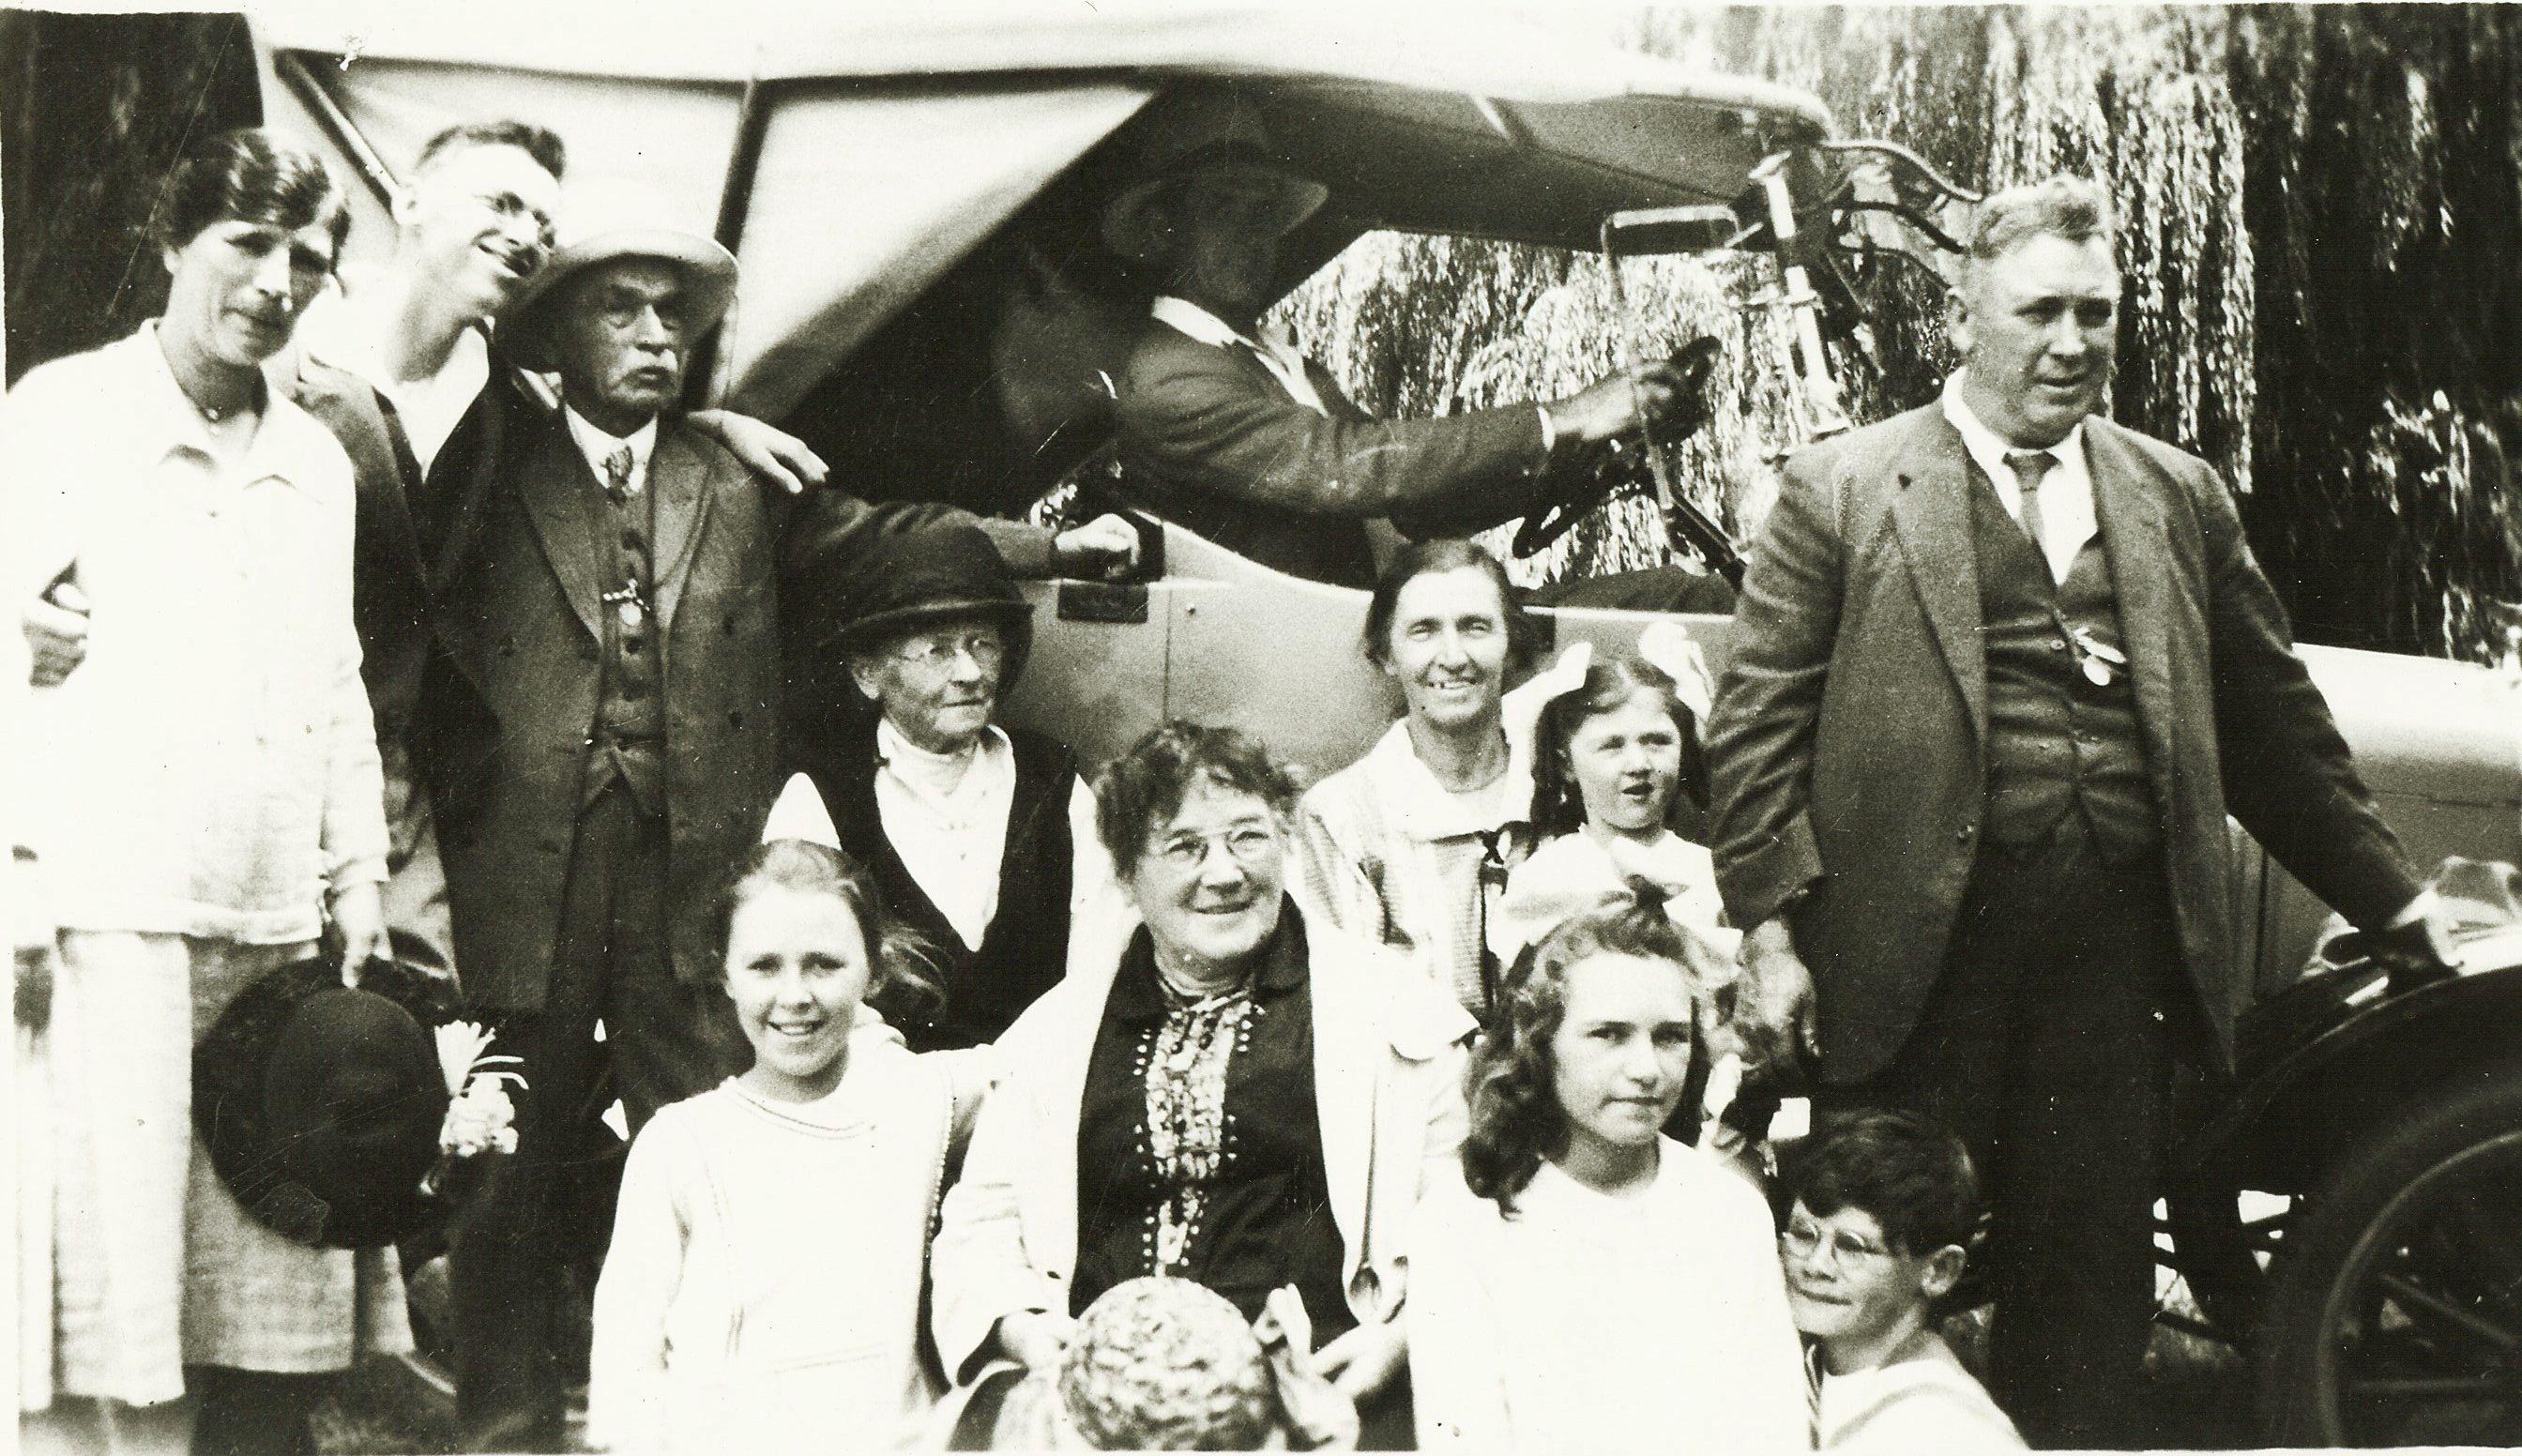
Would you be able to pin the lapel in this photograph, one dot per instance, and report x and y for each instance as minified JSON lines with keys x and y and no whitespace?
{"x":1051,"y":1213}
{"x":677,"y":474}
{"x":559,"y":492}
{"x":1931,"y":512}
{"x":2127,"y":505}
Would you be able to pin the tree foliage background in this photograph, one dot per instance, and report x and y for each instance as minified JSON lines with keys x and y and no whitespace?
{"x":2322,"y":234}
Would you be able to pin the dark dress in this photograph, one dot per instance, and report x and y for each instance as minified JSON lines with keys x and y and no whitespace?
{"x":1199,"y":1149}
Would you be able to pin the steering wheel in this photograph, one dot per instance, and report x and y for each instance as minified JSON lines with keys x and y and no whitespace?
{"x":1607,"y":467}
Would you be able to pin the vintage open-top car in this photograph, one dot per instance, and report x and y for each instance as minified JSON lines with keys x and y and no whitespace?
{"x":911,"y":192}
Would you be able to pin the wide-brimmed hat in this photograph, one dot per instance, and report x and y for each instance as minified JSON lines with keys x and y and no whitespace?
{"x":320,"y":1106}
{"x":708,"y":284}
{"x":914,"y":580}
{"x":1212,"y":135}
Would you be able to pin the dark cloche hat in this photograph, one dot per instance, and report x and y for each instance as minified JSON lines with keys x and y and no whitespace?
{"x":320,"y":1106}
{"x":915,"y":579}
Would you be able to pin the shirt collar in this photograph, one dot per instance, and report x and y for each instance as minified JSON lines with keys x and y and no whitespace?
{"x":993,"y":750}
{"x":1200,"y":324}
{"x":1138,"y":994}
{"x":1987,"y":447}
{"x":287,"y":444}
{"x":1417,"y":805}
{"x":598,"y":445}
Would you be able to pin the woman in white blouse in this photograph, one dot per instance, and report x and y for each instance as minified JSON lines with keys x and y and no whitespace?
{"x":1590,"y":1283}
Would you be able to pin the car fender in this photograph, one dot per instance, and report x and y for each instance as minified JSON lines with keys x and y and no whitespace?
{"x":2381,"y":1052}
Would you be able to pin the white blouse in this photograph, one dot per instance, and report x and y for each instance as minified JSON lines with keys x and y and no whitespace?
{"x":1594,"y":1323}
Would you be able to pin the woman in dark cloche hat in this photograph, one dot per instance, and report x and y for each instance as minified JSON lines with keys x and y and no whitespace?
{"x":981,"y":836}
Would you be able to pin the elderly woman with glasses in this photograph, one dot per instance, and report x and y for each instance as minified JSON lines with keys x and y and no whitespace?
{"x":980,"y":837}
{"x":1236,"y":1095}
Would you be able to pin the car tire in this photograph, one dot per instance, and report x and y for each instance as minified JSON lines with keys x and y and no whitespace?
{"x":2394,"y":1309}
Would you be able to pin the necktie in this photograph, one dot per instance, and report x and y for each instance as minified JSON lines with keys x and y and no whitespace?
{"x":617,"y":475}
{"x":2029,"y":468}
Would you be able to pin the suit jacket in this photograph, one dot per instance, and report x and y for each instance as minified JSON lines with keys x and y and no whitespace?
{"x":1211,"y":439}
{"x":391,"y":600}
{"x":1387,"y":1089}
{"x":523,"y":608}
{"x":1849,"y":739}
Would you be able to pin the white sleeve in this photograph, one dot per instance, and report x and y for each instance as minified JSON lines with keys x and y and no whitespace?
{"x":1769,"y":1407}
{"x":1456,"y":1331}
{"x":1098,"y":911}
{"x":355,"y":840}
{"x":644,"y":1270}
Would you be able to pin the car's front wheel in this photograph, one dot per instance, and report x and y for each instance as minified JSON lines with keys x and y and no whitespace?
{"x":2394,"y":1313}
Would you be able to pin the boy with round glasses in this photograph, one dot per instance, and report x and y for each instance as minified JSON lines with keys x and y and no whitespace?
{"x":1884,"y":1208}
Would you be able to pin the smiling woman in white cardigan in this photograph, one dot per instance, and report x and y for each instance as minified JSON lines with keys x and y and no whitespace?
{"x":1234,"y":1096}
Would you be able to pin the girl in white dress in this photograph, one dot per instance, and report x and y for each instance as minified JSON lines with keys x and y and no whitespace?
{"x":1589,"y":1284}
{"x":1617,"y":762}
{"x":762,"y":1289}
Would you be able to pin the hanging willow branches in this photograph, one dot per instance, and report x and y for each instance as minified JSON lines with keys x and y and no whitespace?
{"x":2319,"y":224}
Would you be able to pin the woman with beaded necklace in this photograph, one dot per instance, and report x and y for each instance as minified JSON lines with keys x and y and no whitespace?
{"x":1236,"y":1096}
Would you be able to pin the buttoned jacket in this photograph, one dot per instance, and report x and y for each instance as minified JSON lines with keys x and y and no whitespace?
{"x":1387,"y":1090}
{"x":523,"y":607}
{"x":1849,"y":742}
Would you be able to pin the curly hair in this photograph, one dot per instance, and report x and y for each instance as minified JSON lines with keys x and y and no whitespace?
{"x":902,"y":976}
{"x":1525,"y":632}
{"x":1907,"y":1172}
{"x":1513,"y":1083}
{"x":1143,"y":788}
{"x":1558,"y":806}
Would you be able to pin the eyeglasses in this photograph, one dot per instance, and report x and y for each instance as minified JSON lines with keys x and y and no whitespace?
{"x":937,"y":653}
{"x":1802,"y":1241}
{"x":1248,"y":845}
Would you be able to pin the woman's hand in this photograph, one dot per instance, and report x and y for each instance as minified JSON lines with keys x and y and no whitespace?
{"x":359,"y":928}
{"x":1036,"y":1338}
{"x":1364,"y":1360}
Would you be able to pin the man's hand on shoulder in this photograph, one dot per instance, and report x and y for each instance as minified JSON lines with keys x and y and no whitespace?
{"x":1105,"y":546}
{"x":776,"y":455}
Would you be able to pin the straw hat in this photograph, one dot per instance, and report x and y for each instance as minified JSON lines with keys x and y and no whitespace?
{"x":625,"y":231}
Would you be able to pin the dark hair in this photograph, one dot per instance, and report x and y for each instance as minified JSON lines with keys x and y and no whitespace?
{"x":2065,"y":206}
{"x":904,"y":979}
{"x":247,"y":176}
{"x":1909,"y":1173}
{"x":1145,"y":787}
{"x":1438,"y":554}
{"x":536,"y":142}
{"x":1512,"y":1085}
{"x":1558,"y":806}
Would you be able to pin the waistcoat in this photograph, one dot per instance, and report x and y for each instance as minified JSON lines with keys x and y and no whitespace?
{"x":1024,"y":951}
{"x":2058,"y":742}
{"x":630,"y":729}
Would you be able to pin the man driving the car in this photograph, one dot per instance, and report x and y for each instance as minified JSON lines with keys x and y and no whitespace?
{"x":1251,"y":444}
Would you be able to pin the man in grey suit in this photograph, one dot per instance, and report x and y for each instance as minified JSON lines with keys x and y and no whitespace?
{"x":2000,"y":669}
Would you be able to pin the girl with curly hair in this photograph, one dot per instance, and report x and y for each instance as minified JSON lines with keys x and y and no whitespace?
{"x":1637,"y":1276}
